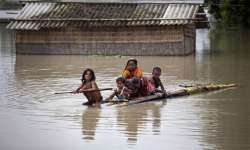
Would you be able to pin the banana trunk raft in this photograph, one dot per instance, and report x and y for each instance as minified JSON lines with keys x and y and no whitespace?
{"x":187,"y":90}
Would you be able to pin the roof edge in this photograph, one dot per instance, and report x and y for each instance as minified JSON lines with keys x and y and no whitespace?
{"x":117,"y":2}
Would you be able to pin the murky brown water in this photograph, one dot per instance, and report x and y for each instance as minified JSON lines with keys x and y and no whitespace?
{"x":32,"y":117}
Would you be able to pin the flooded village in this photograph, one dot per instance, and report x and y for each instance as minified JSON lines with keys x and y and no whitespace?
{"x":151,"y":74}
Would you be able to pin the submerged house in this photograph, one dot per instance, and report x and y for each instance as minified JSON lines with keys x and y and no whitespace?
{"x":107,"y":28}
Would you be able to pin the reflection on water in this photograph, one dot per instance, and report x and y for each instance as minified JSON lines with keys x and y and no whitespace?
{"x":135,"y":119}
{"x":90,"y":118}
{"x":218,"y":120}
{"x":7,"y":46}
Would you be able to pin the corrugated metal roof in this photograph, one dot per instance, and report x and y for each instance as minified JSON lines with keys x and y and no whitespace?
{"x":37,"y":15}
{"x":124,"y":1}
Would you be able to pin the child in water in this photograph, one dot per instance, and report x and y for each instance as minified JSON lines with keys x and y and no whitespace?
{"x":154,"y":82}
{"x":119,"y":91}
{"x":132,"y":70}
{"x":89,"y":88}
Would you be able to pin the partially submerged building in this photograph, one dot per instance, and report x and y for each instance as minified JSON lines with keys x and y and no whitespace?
{"x":110,"y":28}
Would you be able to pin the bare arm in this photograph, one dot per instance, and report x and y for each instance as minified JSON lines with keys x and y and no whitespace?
{"x":84,"y":87}
{"x":111,"y":96}
{"x":161,"y":85}
{"x":78,"y":89}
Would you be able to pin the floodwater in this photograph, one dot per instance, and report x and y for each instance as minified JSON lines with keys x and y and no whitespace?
{"x":32,"y":117}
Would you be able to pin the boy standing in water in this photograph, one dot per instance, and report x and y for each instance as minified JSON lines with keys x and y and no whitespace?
{"x":89,"y":88}
{"x":154,"y":82}
{"x":132,"y":70}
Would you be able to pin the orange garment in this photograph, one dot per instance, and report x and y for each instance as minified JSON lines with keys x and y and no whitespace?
{"x":136,"y":73}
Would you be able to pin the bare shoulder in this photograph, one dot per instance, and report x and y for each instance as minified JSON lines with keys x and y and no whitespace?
{"x":93,"y":83}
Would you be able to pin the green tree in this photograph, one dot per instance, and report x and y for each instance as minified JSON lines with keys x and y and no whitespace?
{"x":230,"y":13}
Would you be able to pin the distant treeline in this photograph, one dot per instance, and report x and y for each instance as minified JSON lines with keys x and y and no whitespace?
{"x":230,"y":13}
{"x":10,"y":4}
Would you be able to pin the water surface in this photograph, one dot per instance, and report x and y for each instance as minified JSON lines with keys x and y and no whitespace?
{"x":32,"y":117}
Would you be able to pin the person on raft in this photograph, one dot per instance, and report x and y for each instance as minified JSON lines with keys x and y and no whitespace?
{"x":154,"y":82}
{"x":119,"y":90}
{"x":89,"y":88}
{"x":131,"y":70}
{"x":136,"y":87}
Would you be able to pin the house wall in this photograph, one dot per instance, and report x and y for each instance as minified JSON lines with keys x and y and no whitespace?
{"x":150,"y":40}
{"x":189,"y":39}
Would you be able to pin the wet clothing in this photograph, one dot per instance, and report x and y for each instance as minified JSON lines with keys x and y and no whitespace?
{"x":154,"y":84}
{"x":128,"y":75}
{"x":144,"y":87}
{"x":136,"y":87}
{"x":119,"y":94}
{"x":151,"y":87}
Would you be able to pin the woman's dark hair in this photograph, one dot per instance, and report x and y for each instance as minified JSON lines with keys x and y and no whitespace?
{"x":132,"y":59}
{"x":84,"y":73}
{"x":120,"y":79}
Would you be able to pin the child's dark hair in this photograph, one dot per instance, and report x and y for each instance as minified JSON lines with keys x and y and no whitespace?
{"x":120,"y":79}
{"x":84,"y":73}
{"x":157,"y":69}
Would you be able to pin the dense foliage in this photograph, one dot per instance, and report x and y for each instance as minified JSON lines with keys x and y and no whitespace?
{"x":230,"y":13}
